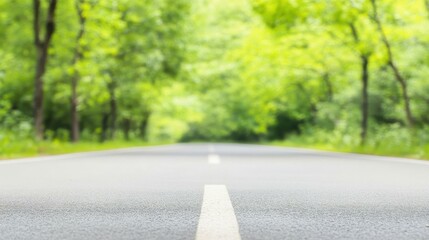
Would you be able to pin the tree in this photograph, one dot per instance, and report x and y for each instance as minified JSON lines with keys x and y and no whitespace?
{"x":78,"y":54}
{"x":42,"y":47}
{"x":334,"y":71}
{"x":364,"y":57}
{"x":427,"y":5}
{"x":392,"y":64}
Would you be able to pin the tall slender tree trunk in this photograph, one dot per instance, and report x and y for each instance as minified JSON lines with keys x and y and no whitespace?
{"x":104,"y":127}
{"x":365,"y":102}
{"x":38,"y":93}
{"x":42,"y":46}
{"x":392,"y":64}
{"x":144,"y":124}
{"x":75,"y":128}
{"x":404,"y":89}
{"x":329,"y":90}
{"x":113,"y":108}
{"x":364,"y":58}
{"x":127,"y":127}
{"x":74,"y":101}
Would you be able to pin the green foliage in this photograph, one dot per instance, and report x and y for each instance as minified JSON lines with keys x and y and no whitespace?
{"x":388,"y":140}
{"x":219,"y":70}
{"x":30,"y":148}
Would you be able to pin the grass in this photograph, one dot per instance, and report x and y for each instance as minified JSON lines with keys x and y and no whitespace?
{"x":415,"y":152}
{"x":29,"y":148}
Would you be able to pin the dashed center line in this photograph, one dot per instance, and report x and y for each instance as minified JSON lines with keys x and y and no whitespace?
{"x":217,"y":219}
{"x":214,"y":159}
{"x":211,"y":149}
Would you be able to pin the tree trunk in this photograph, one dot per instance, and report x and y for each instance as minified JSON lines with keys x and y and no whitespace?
{"x":127,"y":127}
{"x":398,"y":76}
{"x":75,"y":129}
{"x":404,"y":89}
{"x":365,"y":102}
{"x":113,"y":108}
{"x":42,"y":46}
{"x":364,"y":57}
{"x":143,"y":125}
{"x":329,"y":90}
{"x":74,"y":113}
{"x":104,"y":127}
{"x":38,"y":92}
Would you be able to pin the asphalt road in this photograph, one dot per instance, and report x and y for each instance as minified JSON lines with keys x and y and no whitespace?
{"x":158,"y":192}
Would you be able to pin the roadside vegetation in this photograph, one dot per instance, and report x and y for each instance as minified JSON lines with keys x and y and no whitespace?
{"x":29,"y":148}
{"x":386,"y":142}
{"x":338,"y":75}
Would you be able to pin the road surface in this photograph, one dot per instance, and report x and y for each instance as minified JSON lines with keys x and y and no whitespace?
{"x":214,"y":191}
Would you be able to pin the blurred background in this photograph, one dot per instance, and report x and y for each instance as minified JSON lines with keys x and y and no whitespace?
{"x":346,"y":75}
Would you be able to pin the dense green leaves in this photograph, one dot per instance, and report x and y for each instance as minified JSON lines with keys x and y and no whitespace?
{"x":244,"y":70}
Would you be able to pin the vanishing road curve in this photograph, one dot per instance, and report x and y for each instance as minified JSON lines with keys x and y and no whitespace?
{"x":214,"y":191}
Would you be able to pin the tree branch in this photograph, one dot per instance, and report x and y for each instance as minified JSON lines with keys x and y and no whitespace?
{"x":36,"y":22}
{"x":50,"y":22}
{"x":354,"y":32}
{"x":427,"y":5}
{"x":381,"y":31}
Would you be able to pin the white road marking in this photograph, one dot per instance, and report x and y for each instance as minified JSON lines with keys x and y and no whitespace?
{"x":214,"y":159}
{"x":211,"y":149}
{"x":217,"y":219}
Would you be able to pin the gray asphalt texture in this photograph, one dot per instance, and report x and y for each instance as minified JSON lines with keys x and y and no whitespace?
{"x":156,"y":193}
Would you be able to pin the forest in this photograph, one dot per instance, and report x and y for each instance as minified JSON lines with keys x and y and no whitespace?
{"x":345,"y":75}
